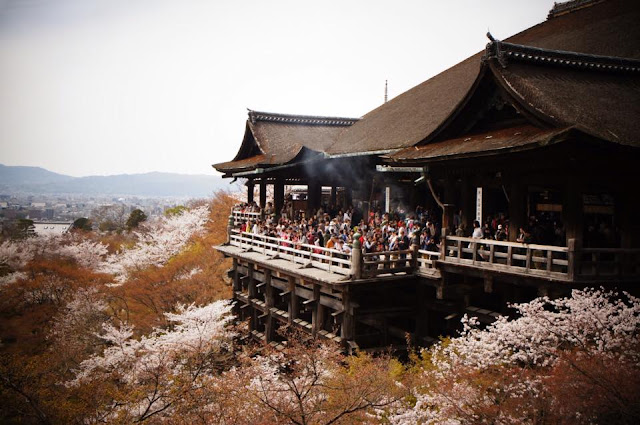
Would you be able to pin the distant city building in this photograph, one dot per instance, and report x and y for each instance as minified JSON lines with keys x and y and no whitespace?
{"x":35,"y":214}
{"x":52,"y":228}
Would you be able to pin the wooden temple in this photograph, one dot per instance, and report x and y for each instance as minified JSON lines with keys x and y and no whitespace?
{"x":544,"y":122}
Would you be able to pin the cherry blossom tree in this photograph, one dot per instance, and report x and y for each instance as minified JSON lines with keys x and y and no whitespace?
{"x":158,"y":241}
{"x":314,"y":383}
{"x":503,"y":373}
{"x":154,"y":371}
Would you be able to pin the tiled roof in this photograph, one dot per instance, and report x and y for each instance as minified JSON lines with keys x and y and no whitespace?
{"x":607,"y":28}
{"x":281,"y":138}
{"x":603,"y":104}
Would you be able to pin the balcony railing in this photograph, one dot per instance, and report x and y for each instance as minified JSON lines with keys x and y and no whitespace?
{"x":240,"y":217}
{"x":305,"y":255}
{"x":608,"y":263}
{"x":544,"y":261}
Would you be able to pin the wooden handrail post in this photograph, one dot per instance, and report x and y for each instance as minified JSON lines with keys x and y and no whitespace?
{"x":414,"y":256}
{"x":356,"y":258}
{"x":573,"y":258}
{"x":443,"y":243}
{"x":229,"y":228}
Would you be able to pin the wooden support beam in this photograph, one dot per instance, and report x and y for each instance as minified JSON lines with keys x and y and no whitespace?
{"x":278,"y":195}
{"x":488,"y":284}
{"x":422,"y":312}
{"x":263,"y":194}
{"x":237,"y":284}
{"x":573,"y":209}
{"x":315,"y":313}
{"x":294,"y":308}
{"x":517,"y":209}
{"x":251,"y":287}
{"x":269,"y":299}
{"x":252,"y":292}
{"x":347,"y":328}
{"x":250,"y":191}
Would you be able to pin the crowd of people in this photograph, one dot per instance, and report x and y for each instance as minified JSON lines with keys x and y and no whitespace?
{"x":334,"y":227}
{"x":387,"y":232}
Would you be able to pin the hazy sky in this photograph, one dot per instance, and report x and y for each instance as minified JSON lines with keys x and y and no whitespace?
{"x":127,"y":86}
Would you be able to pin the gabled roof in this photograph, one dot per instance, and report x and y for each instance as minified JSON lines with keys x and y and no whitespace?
{"x":598,"y":94}
{"x":605,"y":28}
{"x":275,"y":139}
{"x":568,"y":93}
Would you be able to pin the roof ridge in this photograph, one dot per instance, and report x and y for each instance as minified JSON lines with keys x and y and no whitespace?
{"x":504,"y":52}
{"x":561,"y":8}
{"x":300,"y":119}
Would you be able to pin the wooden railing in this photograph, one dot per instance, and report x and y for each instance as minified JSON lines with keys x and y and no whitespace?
{"x":547,"y":260}
{"x":240,"y":217}
{"x":426,"y":260}
{"x":378,"y":263}
{"x":607,"y":263}
{"x":563,"y":263}
{"x":305,"y":255}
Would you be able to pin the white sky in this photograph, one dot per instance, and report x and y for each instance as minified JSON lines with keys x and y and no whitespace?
{"x":127,"y":86}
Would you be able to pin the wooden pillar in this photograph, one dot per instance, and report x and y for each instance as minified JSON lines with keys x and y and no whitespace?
{"x":573,"y":210}
{"x":488,"y":284}
{"x":626,"y":206}
{"x":252,"y":291}
{"x":334,"y":196}
{"x":447,"y":218}
{"x":467,"y":203}
{"x":269,"y":298}
{"x":263,"y":193}
{"x":316,"y":313}
{"x":573,"y":256}
{"x":348,"y":196}
{"x":278,"y":195}
{"x":250,"y":191}
{"x":422,"y":314}
{"x":314,"y":196}
{"x":450,"y":193}
{"x":517,"y":209}
{"x":294,"y":306}
{"x":347,"y":329}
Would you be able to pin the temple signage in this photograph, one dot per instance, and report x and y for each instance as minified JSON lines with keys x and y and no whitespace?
{"x":479,"y":205}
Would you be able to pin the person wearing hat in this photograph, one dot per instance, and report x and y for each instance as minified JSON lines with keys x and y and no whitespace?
{"x":500,"y":234}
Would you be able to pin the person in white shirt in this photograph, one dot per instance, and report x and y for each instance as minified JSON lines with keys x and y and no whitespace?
{"x":477,"y":230}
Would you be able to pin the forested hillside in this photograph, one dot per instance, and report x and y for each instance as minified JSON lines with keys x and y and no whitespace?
{"x":133,"y":327}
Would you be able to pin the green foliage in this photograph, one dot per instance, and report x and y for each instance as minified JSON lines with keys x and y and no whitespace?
{"x":177,"y":210}
{"x":23,"y":229}
{"x":83,"y":224}
{"x":136,"y":217}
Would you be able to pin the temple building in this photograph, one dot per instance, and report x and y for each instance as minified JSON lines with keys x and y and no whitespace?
{"x":544,"y":125}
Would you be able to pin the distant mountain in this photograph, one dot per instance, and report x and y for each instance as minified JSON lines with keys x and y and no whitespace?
{"x":29,"y":175}
{"x":16,"y":179}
